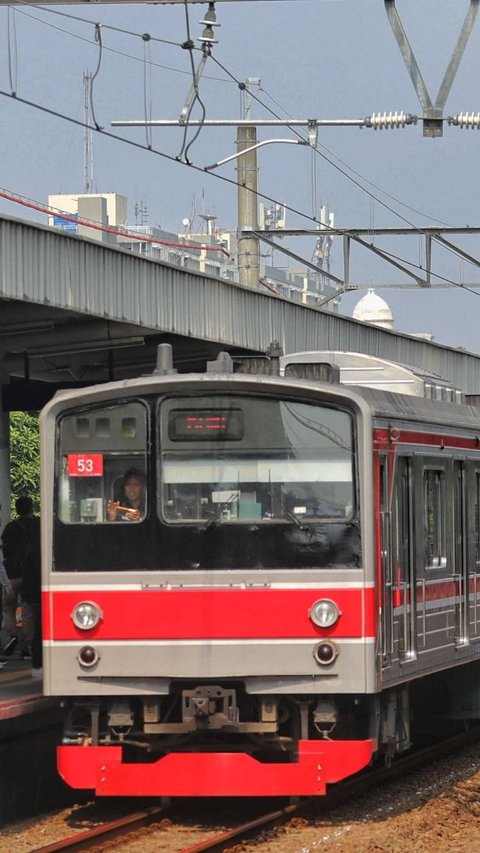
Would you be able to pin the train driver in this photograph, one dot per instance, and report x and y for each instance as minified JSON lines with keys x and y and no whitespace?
{"x":131,"y":505}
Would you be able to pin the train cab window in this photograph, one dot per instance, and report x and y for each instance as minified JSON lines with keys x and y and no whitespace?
{"x":102,"y":463}
{"x":434,"y":519}
{"x":233,"y":459}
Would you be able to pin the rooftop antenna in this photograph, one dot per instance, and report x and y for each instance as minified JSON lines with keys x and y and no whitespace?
{"x":141,"y":213}
{"x":209,"y":219}
{"x":87,"y":134}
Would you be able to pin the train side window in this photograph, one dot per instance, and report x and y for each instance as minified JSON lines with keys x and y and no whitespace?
{"x":434,"y":513}
{"x":401,"y":521}
{"x":97,"y":448}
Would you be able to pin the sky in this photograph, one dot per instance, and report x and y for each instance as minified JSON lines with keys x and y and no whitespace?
{"x":331,"y":59}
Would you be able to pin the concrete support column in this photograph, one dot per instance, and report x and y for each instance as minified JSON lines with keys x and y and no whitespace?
{"x":247,"y":177}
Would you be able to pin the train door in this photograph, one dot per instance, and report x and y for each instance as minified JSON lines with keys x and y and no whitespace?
{"x":461,"y":579}
{"x":437,"y":585}
{"x":386,"y":563}
{"x":404,"y":598}
{"x":473,"y":555}
{"x":398,"y":635}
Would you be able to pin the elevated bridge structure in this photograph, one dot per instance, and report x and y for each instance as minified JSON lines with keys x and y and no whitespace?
{"x":73,"y":310}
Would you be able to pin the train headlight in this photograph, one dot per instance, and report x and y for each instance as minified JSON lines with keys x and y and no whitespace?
{"x":88,"y":656}
{"x":86,"y":615}
{"x":325,"y":653}
{"x":324,"y":613}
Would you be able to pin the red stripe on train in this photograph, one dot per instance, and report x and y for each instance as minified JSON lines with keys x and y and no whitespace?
{"x":382,"y":438}
{"x":442,"y":591}
{"x":208,"y":614}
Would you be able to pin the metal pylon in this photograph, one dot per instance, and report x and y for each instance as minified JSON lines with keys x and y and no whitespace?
{"x":432,"y":110}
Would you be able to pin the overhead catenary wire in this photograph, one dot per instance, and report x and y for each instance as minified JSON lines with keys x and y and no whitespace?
{"x":147,"y":89}
{"x":189,"y":45}
{"x":138,"y":145}
{"x":90,"y":23}
{"x":294,"y":130}
{"x":116,"y":50}
{"x":98,"y":39}
{"x":162,"y":154}
{"x":12,"y":50}
{"x":235,"y":81}
{"x":315,"y":148}
{"x":362,"y":177}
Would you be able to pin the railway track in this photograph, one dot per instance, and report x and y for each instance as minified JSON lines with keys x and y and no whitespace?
{"x":159,"y":820}
{"x":129,"y":827}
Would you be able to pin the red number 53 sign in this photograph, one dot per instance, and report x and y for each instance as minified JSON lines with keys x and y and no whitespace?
{"x":85,"y":464}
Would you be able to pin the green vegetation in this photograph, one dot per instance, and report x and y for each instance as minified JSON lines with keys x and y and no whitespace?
{"x":24,"y":458}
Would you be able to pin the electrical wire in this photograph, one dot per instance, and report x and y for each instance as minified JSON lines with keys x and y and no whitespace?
{"x":362,"y":177}
{"x":147,"y":89}
{"x":297,"y":133}
{"x":163,"y":155}
{"x":98,"y":39}
{"x":89,"y":23}
{"x":189,"y":45}
{"x":177,"y":44}
{"x":315,"y":148}
{"x":12,"y":53}
{"x":106,"y":133}
{"x":436,"y":275}
{"x":119,"y":52}
{"x":147,"y":36}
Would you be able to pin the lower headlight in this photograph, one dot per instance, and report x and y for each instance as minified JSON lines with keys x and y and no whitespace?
{"x":325,"y":653}
{"x":88,"y":656}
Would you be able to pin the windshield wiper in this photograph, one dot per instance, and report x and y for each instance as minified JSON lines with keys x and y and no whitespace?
{"x":215,"y":520}
{"x":296,"y":520}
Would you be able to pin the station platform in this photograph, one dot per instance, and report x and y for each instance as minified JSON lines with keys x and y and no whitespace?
{"x":20,"y":694}
{"x":30,"y":730}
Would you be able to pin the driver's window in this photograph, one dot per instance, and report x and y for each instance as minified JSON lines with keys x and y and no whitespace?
{"x":103,"y":465}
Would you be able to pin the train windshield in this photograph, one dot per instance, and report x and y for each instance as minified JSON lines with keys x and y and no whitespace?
{"x":103,"y":461}
{"x":252,"y":459}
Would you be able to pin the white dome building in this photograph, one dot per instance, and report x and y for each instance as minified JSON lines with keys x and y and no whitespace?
{"x":373,"y":309}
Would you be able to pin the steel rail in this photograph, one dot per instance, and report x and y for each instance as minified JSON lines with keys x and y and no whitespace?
{"x":360,"y":784}
{"x":106,"y":831}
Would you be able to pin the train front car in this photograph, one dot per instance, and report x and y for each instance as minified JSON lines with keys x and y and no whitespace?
{"x":217,"y":638}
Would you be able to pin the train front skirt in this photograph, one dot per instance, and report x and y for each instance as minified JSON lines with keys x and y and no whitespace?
{"x":319,"y":764}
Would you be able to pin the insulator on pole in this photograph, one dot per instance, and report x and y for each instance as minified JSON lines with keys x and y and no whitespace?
{"x":467,"y":120}
{"x":385,"y":121}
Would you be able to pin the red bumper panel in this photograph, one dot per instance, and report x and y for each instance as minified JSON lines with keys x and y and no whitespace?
{"x":213,"y":774}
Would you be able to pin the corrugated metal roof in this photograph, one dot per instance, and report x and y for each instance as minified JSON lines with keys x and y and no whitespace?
{"x":47,"y":267}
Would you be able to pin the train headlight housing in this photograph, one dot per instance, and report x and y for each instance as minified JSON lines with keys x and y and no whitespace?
{"x":325,"y":653}
{"x":86,"y":615}
{"x":324,"y":613}
{"x":88,"y":656}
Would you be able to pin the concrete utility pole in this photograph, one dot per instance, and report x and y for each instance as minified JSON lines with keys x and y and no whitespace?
{"x":247,"y":177}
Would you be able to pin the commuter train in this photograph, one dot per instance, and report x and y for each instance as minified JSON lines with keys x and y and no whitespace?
{"x":299,"y":594}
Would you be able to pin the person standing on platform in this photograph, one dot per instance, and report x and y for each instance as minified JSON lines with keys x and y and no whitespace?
{"x":31,"y":591}
{"x":19,"y":536}
{"x":5,"y":590}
